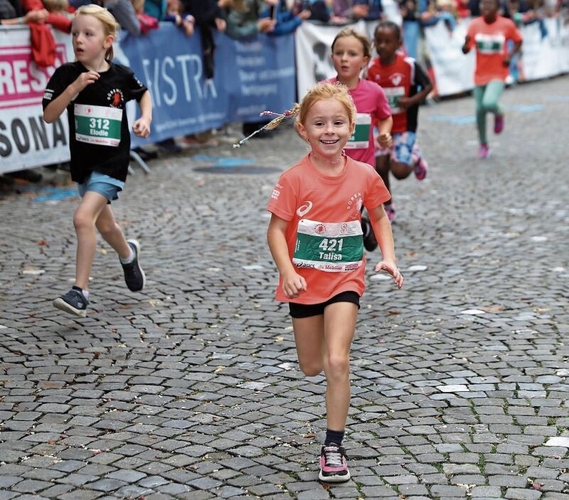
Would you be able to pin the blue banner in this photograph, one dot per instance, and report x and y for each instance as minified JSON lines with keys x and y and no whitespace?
{"x":251,"y":76}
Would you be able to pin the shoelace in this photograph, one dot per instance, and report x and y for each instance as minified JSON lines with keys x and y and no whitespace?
{"x":333,"y":456}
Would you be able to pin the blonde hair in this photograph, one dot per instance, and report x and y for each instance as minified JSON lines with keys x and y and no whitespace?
{"x":321,"y":91}
{"x":364,"y":39}
{"x":110,"y":25}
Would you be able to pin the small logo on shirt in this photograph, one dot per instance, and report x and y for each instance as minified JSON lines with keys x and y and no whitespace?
{"x":304,"y":209}
{"x":115,"y":98}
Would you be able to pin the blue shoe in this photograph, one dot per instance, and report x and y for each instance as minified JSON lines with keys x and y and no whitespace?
{"x":73,"y":302}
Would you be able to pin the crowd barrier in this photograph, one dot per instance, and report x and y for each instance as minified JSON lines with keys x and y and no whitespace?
{"x":251,"y":76}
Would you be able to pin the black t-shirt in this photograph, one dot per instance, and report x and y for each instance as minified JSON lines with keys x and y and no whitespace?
{"x":114,"y":89}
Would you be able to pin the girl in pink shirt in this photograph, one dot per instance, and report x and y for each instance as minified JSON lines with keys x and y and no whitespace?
{"x":315,"y":238}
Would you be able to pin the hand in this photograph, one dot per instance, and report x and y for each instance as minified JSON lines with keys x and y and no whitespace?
{"x":189,"y":26}
{"x":36,"y":16}
{"x":305,"y":14}
{"x":141,"y":128}
{"x":385,"y":140}
{"x":293,"y":285}
{"x":507,"y":60}
{"x":391,"y":268}
{"x":85,"y":79}
{"x":266,"y":25}
{"x":220,"y":24}
{"x":404,"y":102}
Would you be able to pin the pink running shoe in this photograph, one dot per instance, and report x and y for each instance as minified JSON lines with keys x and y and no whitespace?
{"x":483,"y":151}
{"x":498,"y":124}
{"x":420,"y":169}
{"x":333,"y":464}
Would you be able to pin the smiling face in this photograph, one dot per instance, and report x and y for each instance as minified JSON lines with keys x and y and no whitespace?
{"x":349,"y":59}
{"x":90,"y":43}
{"x":327,"y":127}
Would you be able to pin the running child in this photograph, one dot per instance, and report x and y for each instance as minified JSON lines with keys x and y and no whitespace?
{"x":94,"y":91}
{"x":315,"y":238}
{"x":490,"y":34}
{"x":406,"y":85}
{"x":351,"y":54}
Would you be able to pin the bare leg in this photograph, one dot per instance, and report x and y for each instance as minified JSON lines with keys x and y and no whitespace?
{"x":84,"y":221}
{"x":112,"y":233}
{"x":339,"y":328}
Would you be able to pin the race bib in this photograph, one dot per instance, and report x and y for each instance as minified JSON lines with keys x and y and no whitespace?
{"x":329,"y":246}
{"x":98,"y":125}
{"x":393,"y":95}
{"x":360,"y":137}
{"x":490,"y":44}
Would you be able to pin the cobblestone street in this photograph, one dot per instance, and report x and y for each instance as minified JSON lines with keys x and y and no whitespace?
{"x":191,"y":390}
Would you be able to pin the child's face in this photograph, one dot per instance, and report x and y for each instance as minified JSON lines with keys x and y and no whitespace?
{"x":386,"y":43}
{"x":489,"y":8}
{"x":348,"y":58}
{"x":89,"y":39}
{"x":327,"y":127}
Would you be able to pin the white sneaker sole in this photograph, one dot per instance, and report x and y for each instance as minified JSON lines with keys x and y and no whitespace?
{"x":64,"y":306}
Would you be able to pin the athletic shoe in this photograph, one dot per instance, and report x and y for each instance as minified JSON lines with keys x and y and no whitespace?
{"x":483,"y":151}
{"x":370,"y":243}
{"x":333,"y":464}
{"x":133,"y":274}
{"x":498,"y":124}
{"x":390,"y":211}
{"x":420,"y":168}
{"x":73,"y":302}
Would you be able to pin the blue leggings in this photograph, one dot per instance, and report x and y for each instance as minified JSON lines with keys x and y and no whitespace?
{"x":486,"y":98}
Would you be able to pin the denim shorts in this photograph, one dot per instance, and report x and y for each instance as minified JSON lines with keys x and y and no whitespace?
{"x":102,"y":184}
{"x":309,"y":310}
{"x":402,"y":149}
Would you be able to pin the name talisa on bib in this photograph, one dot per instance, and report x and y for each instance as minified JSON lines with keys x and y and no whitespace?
{"x":329,"y":246}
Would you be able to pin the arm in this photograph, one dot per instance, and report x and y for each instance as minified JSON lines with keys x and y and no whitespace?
{"x":384,"y":138}
{"x":141,"y":127}
{"x":56,"y":107}
{"x":466,"y":45}
{"x":515,"y":50}
{"x":422,"y":80}
{"x":293,"y":284}
{"x":382,"y":229}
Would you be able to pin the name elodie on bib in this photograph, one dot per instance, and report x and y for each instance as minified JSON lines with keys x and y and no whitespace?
{"x":98,"y":124}
{"x":329,"y":246}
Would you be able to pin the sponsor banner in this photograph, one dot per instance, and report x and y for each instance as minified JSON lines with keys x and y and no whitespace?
{"x":250,"y":77}
{"x":26,"y":141}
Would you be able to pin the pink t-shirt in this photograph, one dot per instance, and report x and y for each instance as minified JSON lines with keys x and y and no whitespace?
{"x":372,"y":106}
{"x":490,"y":41}
{"x":309,"y":200}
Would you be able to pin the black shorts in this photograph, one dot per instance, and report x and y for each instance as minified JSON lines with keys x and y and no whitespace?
{"x":309,"y":310}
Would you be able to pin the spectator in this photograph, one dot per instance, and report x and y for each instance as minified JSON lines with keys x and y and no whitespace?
{"x":369,"y":10}
{"x":285,"y":20}
{"x":122,"y":10}
{"x":244,"y":22}
{"x":208,"y":16}
{"x":59,"y":20}
{"x":175,"y":14}
{"x":12,"y":14}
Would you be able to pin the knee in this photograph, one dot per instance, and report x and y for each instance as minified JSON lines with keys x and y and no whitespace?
{"x":337,"y":366}
{"x":400,"y":170}
{"x":82,"y":221}
{"x":310,"y":368}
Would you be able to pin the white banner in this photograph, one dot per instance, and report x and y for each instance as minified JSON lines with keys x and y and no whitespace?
{"x":26,"y":141}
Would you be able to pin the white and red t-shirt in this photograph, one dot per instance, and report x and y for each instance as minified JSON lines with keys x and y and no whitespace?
{"x":324,"y":235}
{"x":490,"y":40}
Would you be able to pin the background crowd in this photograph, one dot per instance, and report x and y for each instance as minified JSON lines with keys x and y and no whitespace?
{"x":240,"y":19}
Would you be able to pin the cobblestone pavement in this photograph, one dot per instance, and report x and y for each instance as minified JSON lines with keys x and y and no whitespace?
{"x":191,"y":390}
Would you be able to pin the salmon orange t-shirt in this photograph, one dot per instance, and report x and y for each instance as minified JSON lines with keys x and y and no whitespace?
{"x":490,"y":40}
{"x":324,"y":215}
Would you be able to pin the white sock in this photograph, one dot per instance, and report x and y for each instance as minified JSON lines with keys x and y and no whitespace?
{"x":129,"y":259}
